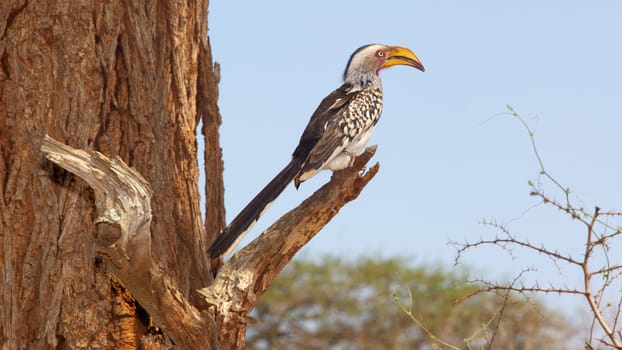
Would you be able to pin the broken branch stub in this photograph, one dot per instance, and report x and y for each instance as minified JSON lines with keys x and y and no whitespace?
{"x":123,"y":200}
{"x":122,"y":196}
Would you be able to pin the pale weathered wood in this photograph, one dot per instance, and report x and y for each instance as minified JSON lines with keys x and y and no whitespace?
{"x":244,"y":278}
{"x":123,"y":199}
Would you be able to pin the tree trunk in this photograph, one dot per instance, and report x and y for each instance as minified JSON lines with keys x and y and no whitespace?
{"x":111,"y":253}
{"x":122,"y":78}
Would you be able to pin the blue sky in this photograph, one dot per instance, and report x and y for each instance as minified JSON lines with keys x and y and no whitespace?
{"x":450,"y":155}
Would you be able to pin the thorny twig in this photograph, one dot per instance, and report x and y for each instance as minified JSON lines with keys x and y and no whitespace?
{"x":599,"y":233}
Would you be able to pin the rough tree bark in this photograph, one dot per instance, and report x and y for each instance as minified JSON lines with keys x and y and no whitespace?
{"x":120,"y":77}
{"x":130,"y":81}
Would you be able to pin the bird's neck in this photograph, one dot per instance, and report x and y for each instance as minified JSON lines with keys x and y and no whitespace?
{"x":363,"y":80}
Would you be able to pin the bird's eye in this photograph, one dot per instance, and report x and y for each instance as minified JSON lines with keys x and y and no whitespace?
{"x":380,"y":53}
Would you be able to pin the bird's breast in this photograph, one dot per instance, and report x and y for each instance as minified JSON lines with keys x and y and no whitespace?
{"x":362,"y":113}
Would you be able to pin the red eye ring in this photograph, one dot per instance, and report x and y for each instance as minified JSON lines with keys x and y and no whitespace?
{"x":380,"y":53}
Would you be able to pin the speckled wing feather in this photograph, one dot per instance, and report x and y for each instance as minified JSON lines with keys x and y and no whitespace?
{"x":330,"y":144}
{"x":330,"y":105}
{"x":322,"y":136}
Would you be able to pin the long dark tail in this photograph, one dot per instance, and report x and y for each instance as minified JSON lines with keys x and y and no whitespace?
{"x":245,"y":220}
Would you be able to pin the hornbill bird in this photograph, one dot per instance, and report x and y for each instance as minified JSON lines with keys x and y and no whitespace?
{"x":336,"y":133}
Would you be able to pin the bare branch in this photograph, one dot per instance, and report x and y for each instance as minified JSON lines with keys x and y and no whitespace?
{"x":246,"y":276}
{"x":533,"y":289}
{"x":506,"y":298}
{"x":566,"y":208}
{"x":502,"y":242}
{"x":609,"y":274}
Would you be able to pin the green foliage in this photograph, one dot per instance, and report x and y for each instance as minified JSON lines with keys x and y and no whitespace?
{"x":338,"y":304}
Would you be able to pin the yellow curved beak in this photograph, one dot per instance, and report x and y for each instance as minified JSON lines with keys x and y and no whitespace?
{"x":402,"y":56}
